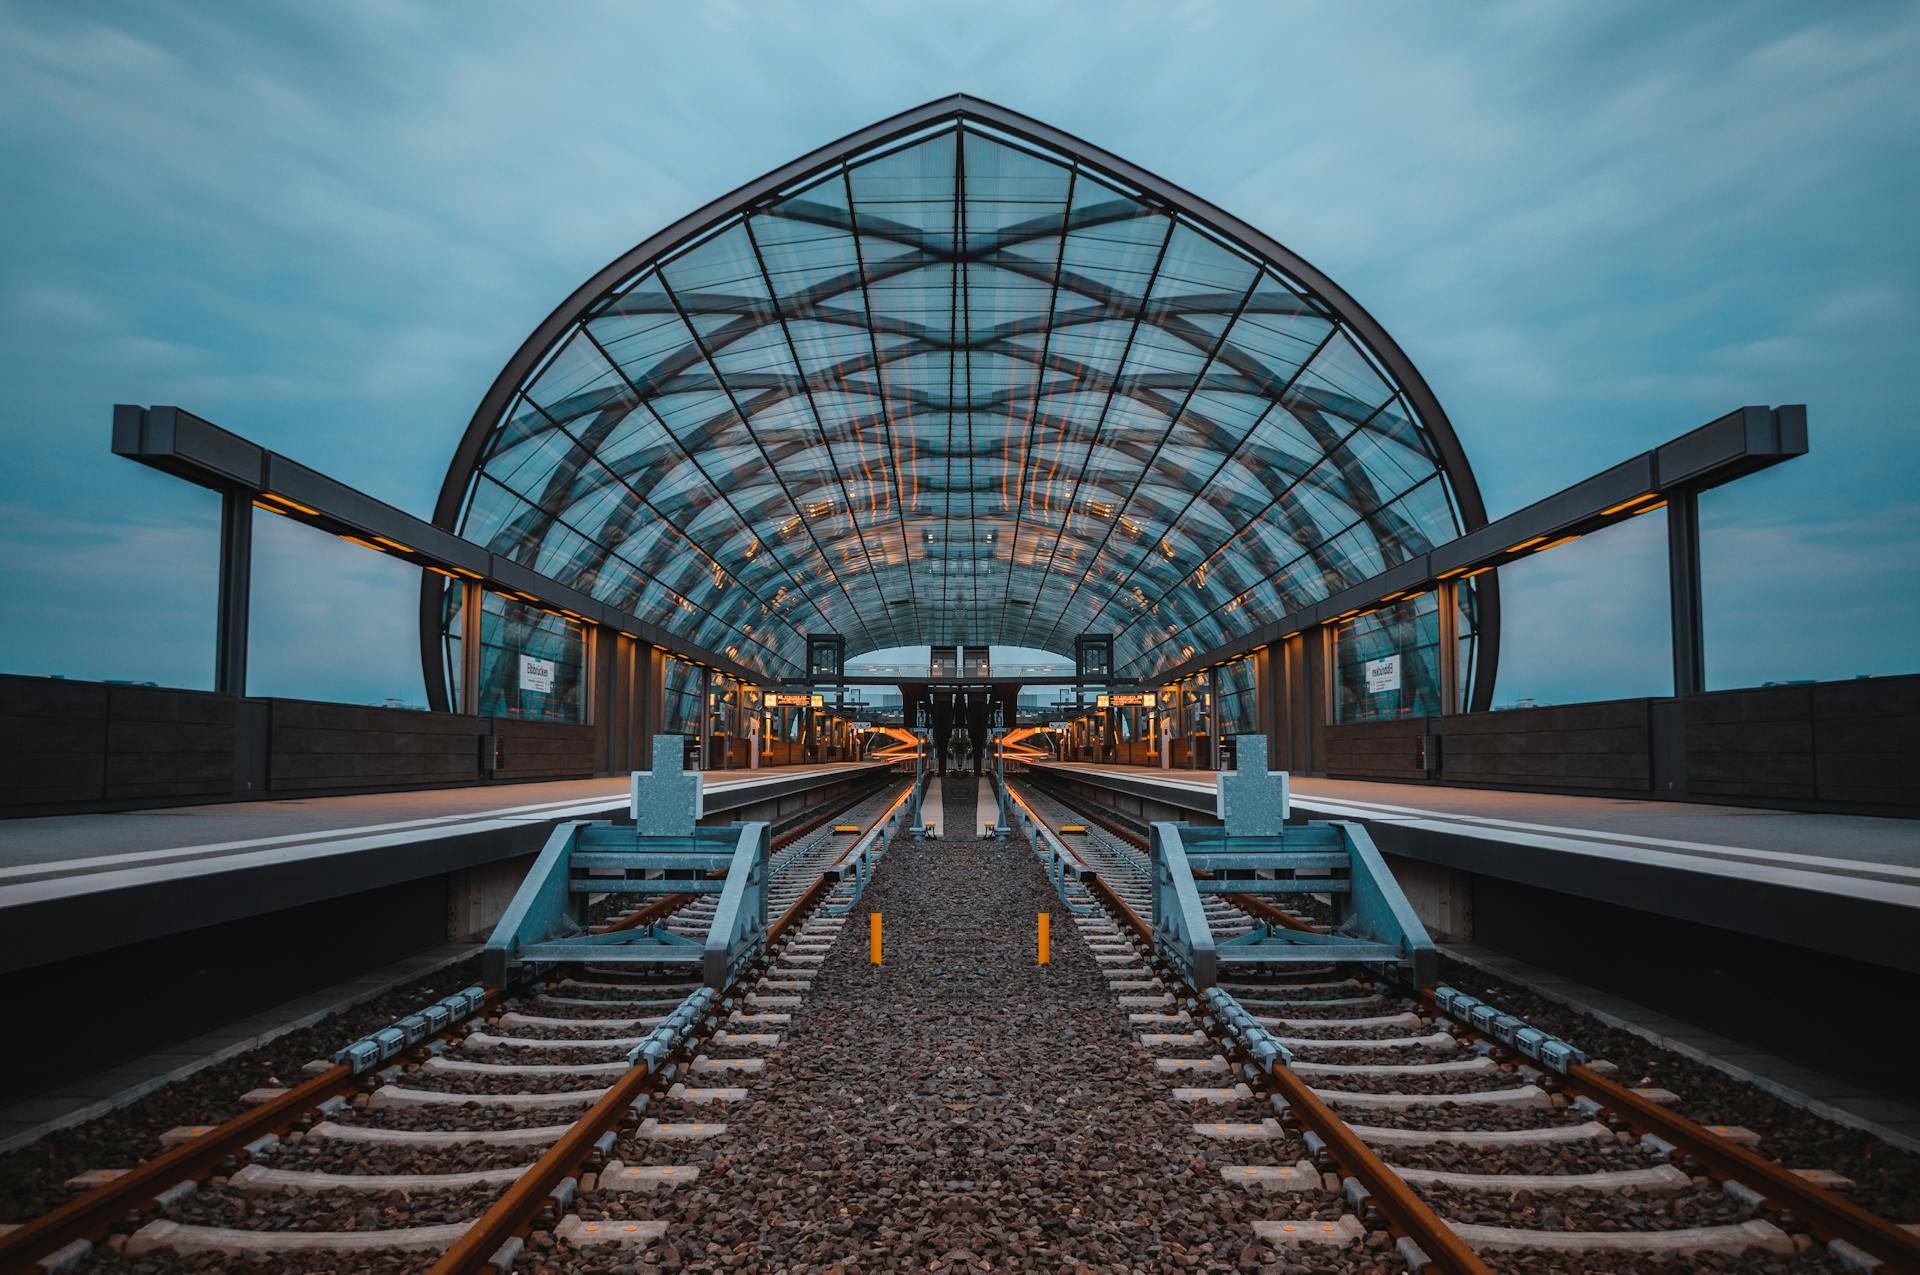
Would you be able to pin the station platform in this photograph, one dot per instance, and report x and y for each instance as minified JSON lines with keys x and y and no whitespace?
{"x":1787,"y":931}
{"x":75,"y":884}
{"x":202,"y":916}
{"x":1846,"y":884}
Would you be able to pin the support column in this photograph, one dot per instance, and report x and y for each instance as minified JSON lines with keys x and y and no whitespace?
{"x":472,"y":625}
{"x":619,"y":718}
{"x":1447,"y":596}
{"x":1266,"y":702}
{"x":648,"y":689}
{"x":1683,"y":580}
{"x":236,"y":586}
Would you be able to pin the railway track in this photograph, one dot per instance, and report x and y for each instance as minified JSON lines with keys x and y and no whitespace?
{"x":1433,"y":1119}
{"x":442,"y":1141}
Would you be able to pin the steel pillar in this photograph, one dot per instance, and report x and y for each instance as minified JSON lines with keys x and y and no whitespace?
{"x":472,"y":622}
{"x":1683,"y":581}
{"x":236,"y":584}
{"x":1447,"y":597}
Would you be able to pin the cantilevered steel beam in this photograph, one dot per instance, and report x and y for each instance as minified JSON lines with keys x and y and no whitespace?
{"x":1739,"y":443}
{"x":177,"y":442}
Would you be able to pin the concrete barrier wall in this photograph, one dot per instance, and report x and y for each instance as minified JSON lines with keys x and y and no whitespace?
{"x":71,"y":746}
{"x":1843,"y":746}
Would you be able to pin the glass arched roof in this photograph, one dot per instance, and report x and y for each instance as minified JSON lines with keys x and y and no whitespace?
{"x":959,"y":379}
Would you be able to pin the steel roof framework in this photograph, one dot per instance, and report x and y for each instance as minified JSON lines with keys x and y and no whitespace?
{"x":960,"y":378}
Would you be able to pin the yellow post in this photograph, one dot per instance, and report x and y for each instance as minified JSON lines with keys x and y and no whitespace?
{"x":1046,"y":937}
{"x":873,"y":937}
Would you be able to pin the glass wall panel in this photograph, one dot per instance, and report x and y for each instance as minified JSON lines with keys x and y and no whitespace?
{"x":1235,"y":704}
{"x":330,"y":619}
{"x":533,"y":665}
{"x":1386,"y":664}
{"x":1604,"y":595}
{"x":1146,"y":430}
{"x":155,"y":563}
{"x":682,"y":701}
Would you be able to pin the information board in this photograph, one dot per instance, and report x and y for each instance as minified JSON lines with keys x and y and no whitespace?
{"x":1383,"y":674}
{"x":537,"y":674}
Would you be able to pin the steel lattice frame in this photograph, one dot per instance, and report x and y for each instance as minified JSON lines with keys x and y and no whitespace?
{"x":960,"y":377}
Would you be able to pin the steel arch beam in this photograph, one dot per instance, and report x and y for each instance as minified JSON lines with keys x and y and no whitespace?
{"x":1464,"y":490}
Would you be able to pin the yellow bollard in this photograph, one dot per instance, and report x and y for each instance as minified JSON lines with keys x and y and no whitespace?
{"x":1046,"y":937}
{"x":873,"y":937}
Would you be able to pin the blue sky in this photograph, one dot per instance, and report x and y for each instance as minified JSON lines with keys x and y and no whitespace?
{"x":327,"y":227}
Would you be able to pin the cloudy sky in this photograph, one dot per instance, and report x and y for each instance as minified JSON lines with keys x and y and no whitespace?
{"x":1593,"y":228}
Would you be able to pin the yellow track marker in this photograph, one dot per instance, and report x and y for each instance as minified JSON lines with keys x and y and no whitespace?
{"x":873,"y":937}
{"x":1046,"y":938}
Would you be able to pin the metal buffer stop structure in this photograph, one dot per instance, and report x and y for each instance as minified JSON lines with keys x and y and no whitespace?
{"x":1259,"y":852}
{"x":664,"y":853}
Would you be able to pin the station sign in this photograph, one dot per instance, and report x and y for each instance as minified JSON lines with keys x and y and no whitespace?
{"x":788,"y":700}
{"x":537,"y":674}
{"x":1383,"y":675}
{"x":1132,"y":699}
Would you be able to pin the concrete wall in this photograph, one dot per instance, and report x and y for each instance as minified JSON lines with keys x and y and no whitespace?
{"x":67,"y":746}
{"x":1840,"y":746}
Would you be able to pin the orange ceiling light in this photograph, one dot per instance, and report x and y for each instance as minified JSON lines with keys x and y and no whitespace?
{"x":1526,"y":544}
{"x":1628,"y":504}
{"x":291,"y":504}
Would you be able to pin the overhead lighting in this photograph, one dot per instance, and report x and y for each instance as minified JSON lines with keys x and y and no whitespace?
{"x":394,"y":544}
{"x":1477,"y":571}
{"x":1556,"y":544}
{"x":272,"y":509}
{"x":443,"y":572}
{"x":1650,"y":508}
{"x":364,"y":544}
{"x":1628,"y":504}
{"x":1526,"y":544}
{"x":291,"y":504}
{"x":1448,"y":575}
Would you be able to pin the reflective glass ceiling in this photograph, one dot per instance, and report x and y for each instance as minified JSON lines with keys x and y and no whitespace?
{"x":959,"y":388}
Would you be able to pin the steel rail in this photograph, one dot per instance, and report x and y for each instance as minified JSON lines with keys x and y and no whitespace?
{"x":667,"y":904}
{"x":1404,"y":1210}
{"x":1106,"y":892}
{"x":517,"y":1207}
{"x":520,"y":1204}
{"x":94,"y":1213}
{"x":1261,"y":910}
{"x":1410,"y":1215}
{"x":89,"y":1216}
{"x":1827,"y":1214}
{"x":1252,"y":904}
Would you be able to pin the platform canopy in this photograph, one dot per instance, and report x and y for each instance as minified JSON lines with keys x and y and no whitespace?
{"x":960,"y":378}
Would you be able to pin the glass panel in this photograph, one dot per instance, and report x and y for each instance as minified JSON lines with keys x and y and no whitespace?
{"x":961,"y":389}
{"x":328,"y":619}
{"x":1386,"y":664}
{"x":533,"y":665}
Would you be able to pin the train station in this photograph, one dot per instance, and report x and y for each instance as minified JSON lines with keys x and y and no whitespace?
{"x":963,"y":730}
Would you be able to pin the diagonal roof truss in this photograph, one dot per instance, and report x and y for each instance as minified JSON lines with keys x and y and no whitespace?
{"x":960,"y":379}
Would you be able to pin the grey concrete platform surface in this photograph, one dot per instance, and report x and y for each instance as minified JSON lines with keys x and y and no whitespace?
{"x":1837,"y":1100}
{"x":95,"y":1095}
{"x":1845,"y":884}
{"x":72,"y":884}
